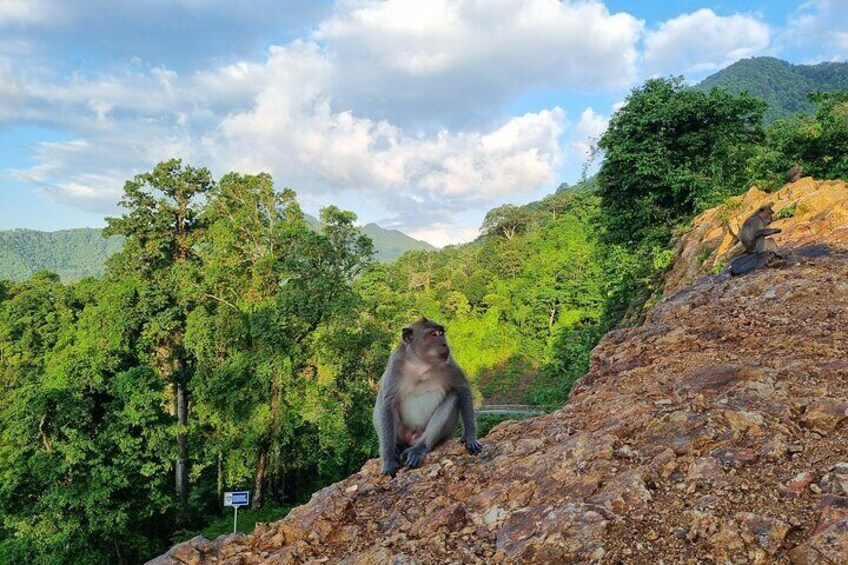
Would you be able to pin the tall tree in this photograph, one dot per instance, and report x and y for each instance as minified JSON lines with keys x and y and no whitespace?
{"x":161,"y":227}
{"x":268,"y":283}
{"x":671,"y":152}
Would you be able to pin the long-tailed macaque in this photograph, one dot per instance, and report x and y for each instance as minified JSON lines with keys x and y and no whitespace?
{"x":755,"y":229}
{"x":423,"y":393}
{"x":794,"y":173}
{"x":759,"y":249}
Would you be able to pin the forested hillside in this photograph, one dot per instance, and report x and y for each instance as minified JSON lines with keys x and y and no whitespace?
{"x":782,"y":85}
{"x":229,"y":345}
{"x":71,"y":254}
{"x":78,"y":253}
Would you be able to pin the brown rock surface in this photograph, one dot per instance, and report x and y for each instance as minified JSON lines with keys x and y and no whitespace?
{"x":713,"y":433}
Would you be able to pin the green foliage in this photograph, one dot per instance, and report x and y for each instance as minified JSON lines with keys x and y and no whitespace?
{"x":669,"y":153}
{"x":787,"y":212}
{"x":247,"y":519}
{"x":818,"y":143}
{"x":231,"y":300}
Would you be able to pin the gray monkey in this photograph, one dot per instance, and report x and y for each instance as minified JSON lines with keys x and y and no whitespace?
{"x":423,"y":393}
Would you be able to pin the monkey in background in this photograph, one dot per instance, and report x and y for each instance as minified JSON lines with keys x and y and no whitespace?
{"x":759,"y":249}
{"x":794,"y":173}
{"x":755,"y":229}
{"x":423,"y":393}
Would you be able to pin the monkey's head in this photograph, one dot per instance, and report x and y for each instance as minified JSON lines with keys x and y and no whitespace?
{"x":426,"y":340}
{"x":766,"y":213}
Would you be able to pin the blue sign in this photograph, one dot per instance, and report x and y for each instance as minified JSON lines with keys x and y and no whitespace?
{"x":240,"y":498}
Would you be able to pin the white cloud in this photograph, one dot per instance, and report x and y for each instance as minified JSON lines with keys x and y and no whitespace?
{"x":702,"y":42}
{"x":820,"y":26}
{"x":588,"y":130}
{"x":25,"y":12}
{"x":466,"y":58}
{"x":441,"y":234}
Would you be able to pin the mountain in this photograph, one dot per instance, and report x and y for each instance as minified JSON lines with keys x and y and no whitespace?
{"x":391,"y":244}
{"x":72,"y":254}
{"x":715,"y":432}
{"x":78,"y":253}
{"x":783,"y":85}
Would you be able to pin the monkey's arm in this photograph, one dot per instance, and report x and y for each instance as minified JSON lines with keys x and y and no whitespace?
{"x":768,"y":231}
{"x":469,"y":425}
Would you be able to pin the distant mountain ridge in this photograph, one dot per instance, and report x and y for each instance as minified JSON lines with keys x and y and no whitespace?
{"x":781,"y":84}
{"x":78,"y":253}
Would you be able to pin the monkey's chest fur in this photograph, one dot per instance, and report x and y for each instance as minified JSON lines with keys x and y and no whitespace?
{"x":418,"y":406}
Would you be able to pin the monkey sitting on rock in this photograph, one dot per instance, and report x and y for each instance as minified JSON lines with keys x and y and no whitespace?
{"x":423,"y":393}
{"x":794,"y":173}
{"x":759,"y":249}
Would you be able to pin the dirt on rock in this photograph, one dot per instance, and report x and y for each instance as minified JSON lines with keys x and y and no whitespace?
{"x":716,"y":432}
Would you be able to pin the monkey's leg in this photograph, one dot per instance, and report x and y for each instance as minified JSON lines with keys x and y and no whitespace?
{"x":771,"y":246}
{"x":440,"y":427}
{"x":386,"y":424}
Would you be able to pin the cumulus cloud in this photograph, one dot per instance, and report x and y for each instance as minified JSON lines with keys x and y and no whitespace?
{"x":703,"y":42}
{"x":465,"y":58}
{"x":588,"y":130}
{"x":820,"y":26}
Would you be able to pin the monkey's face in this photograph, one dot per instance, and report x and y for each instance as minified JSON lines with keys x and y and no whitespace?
{"x":766,"y":214}
{"x":428,"y":342}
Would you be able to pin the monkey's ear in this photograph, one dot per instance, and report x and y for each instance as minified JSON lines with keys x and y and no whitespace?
{"x":407,"y":335}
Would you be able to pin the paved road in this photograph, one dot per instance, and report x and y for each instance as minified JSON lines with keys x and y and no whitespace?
{"x":511,"y":409}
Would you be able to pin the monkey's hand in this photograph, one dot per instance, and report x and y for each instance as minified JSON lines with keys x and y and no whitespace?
{"x":414,"y":455}
{"x":472,"y":445}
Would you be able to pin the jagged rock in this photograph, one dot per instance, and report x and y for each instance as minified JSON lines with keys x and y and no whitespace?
{"x":695,"y":438}
{"x":819,"y":223}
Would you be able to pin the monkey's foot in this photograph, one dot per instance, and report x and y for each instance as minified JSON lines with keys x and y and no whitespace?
{"x":390,"y":468}
{"x":472,"y":445}
{"x":414,"y":455}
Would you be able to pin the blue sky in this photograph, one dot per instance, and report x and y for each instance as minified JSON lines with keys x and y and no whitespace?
{"x":420,"y":116}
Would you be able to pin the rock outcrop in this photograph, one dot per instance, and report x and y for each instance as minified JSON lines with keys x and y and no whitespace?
{"x":809,"y":212}
{"x":716,"y":432}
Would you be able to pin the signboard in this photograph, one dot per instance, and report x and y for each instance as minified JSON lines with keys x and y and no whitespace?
{"x":236,"y":499}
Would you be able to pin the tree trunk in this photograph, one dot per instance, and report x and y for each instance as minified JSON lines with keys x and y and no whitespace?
{"x":180,"y":469}
{"x":259,"y":478}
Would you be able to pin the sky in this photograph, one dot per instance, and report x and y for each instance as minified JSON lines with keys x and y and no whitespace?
{"x":420,"y":115}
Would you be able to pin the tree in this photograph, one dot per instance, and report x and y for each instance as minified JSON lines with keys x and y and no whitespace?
{"x":161,"y":228}
{"x":267,"y":284}
{"x":671,"y":152}
{"x":818,"y":143}
{"x":506,"y":221}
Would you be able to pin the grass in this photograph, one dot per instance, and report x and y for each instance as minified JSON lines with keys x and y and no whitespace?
{"x":246,"y":522}
{"x":787,"y":212}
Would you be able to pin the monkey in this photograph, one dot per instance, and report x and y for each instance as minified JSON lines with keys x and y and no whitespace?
{"x":794,"y":173}
{"x":755,"y":229}
{"x":759,"y":249}
{"x":423,"y":392}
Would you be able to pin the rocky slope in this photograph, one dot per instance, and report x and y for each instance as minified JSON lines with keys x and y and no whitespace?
{"x":717,"y":432}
